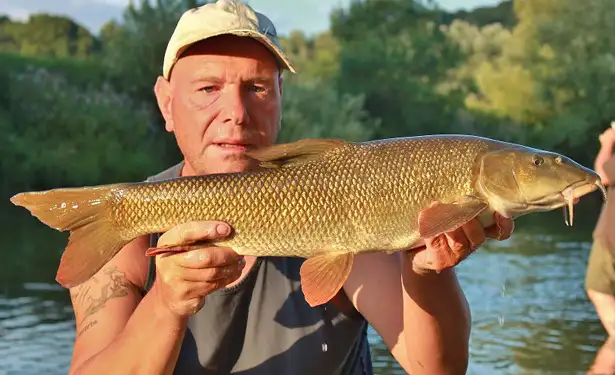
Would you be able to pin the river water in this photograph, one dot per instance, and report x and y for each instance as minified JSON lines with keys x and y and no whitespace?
{"x":530,"y":312}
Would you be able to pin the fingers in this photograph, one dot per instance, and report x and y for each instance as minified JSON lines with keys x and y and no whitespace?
{"x":188,"y":290}
{"x":471,"y":236}
{"x":424,"y":259}
{"x":183,"y":283}
{"x":502,"y":229}
{"x":194,"y":231}
{"x":449,"y":249}
{"x":185,"y":277}
{"x":207,"y":257}
{"x":456,"y":240}
{"x":211,"y":274}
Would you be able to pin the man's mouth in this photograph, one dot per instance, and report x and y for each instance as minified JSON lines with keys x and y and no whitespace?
{"x":232,"y":146}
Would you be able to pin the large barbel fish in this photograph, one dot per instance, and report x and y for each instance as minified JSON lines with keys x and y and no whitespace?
{"x":321,"y":199}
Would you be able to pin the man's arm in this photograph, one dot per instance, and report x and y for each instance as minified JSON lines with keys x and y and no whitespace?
{"x":375,"y":290}
{"x":422,"y":316}
{"x":430,"y":319}
{"x":118,"y":332}
{"x":116,"y":328}
{"x":437,"y":321}
{"x":607,"y":138}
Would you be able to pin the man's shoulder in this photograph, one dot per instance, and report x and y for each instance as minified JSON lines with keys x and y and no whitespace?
{"x":171,"y":172}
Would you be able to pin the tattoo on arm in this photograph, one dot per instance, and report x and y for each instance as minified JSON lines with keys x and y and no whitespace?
{"x":95,"y":293}
{"x":87,"y":327}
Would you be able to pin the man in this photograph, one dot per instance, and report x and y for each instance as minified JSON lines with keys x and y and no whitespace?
{"x":210,"y":311}
{"x":600,"y":277}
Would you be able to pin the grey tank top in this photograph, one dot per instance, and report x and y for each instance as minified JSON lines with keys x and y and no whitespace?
{"x":263,"y":326}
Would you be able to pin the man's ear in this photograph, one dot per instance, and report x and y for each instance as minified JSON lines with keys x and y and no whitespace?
{"x":162,"y":90}
{"x":281,"y":82}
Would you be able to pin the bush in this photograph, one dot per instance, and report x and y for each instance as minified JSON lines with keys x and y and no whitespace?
{"x":316,"y":110}
{"x":60,"y":133}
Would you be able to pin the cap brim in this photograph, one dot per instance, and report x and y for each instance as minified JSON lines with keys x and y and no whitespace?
{"x":278,"y":53}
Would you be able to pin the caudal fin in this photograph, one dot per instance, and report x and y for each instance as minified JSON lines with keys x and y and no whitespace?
{"x":93,"y":239}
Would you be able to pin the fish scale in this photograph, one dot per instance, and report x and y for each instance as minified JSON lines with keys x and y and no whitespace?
{"x":359,"y":197}
{"x":324,"y":200}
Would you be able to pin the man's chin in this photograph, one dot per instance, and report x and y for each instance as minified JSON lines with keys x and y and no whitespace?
{"x":225,"y":165}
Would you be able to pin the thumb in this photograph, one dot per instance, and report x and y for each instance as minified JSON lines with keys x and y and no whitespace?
{"x":194,"y":231}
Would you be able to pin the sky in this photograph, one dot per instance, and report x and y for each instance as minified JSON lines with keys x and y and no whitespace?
{"x":287,"y":15}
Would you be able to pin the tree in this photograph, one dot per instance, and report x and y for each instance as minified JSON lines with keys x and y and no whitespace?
{"x":315,"y":58}
{"x":502,"y":13}
{"x":553,"y":72}
{"x":45,"y":35}
{"x":312,"y":109}
{"x":394,"y":53}
{"x":570,"y":46}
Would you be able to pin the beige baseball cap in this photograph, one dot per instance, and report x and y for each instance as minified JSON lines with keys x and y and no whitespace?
{"x":219,"y":18}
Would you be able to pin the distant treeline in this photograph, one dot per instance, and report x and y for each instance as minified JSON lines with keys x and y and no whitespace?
{"x":78,"y":108}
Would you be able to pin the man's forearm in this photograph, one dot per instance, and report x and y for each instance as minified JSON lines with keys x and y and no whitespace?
{"x":603,"y":156}
{"x":149,"y":343}
{"x":436,"y":322}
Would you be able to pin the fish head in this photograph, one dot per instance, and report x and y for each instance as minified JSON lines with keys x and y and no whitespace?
{"x":518,"y":180}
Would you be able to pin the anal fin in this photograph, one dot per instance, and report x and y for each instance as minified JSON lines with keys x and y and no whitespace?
{"x":323,"y":275}
{"x":445,"y":217}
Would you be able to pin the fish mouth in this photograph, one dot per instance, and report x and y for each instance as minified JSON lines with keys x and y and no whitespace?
{"x":573,"y":193}
{"x":568,"y":197}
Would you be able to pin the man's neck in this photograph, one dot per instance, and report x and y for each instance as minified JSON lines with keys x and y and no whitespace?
{"x":186,"y":170}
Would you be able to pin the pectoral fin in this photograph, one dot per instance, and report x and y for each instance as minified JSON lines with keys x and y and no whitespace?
{"x":445,"y":217}
{"x":174,"y":248}
{"x":322,"y":276}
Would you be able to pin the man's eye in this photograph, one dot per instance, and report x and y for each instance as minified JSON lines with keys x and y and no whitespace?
{"x":208,"y":89}
{"x":258,"y":88}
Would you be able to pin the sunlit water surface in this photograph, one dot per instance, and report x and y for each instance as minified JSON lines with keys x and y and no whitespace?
{"x":530,"y":313}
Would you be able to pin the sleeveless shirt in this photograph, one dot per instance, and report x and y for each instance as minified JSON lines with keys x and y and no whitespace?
{"x":264,"y":326}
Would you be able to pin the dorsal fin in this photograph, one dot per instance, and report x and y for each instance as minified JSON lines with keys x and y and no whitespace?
{"x":295,"y":152}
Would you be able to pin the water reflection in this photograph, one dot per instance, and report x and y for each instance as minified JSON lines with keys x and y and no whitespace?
{"x":530,"y":312}
{"x":36,"y":331}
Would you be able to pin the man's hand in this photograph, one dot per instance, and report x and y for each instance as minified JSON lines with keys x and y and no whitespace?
{"x":607,"y":138}
{"x":449,"y":249}
{"x":183,"y":279}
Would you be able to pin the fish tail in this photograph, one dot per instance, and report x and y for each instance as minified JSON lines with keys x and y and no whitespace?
{"x":84,"y":212}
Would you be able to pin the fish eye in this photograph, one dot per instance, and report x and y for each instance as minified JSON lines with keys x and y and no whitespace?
{"x":537,"y":160}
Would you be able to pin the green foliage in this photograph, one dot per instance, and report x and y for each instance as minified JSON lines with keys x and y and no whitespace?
{"x":501,"y":13}
{"x":63,"y":134}
{"x":84,"y":73}
{"x":134,"y":52}
{"x":45,"y":35}
{"x":396,"y":55}
{"x":317,"y":110}
{"x":573,"y":59}
{"x":534,"y":72}
{"x":315,"y":58}
{"x":551,"y":75}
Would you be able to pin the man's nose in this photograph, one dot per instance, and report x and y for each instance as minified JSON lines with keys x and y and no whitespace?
{"x":234,"y":108}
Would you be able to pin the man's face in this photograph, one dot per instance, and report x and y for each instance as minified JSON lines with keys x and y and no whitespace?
{"x":223,"y":98}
